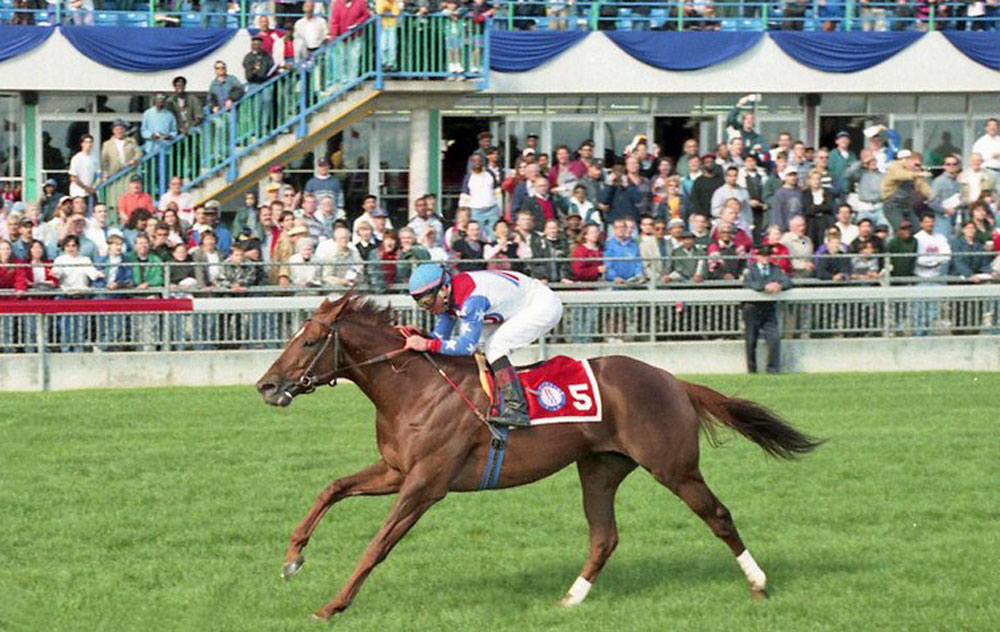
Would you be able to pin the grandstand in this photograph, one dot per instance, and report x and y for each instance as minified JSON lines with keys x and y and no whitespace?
{"x":298,"y":124}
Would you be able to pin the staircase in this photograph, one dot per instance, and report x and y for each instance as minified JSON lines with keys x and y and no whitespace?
{"x":288,"y":115}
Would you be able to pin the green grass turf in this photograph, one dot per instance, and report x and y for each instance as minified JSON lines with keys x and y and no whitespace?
{"x":169,"y":509}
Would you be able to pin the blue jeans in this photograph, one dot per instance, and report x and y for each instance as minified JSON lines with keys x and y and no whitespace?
{"x":388,"y":45}
{"x":487,"y":218}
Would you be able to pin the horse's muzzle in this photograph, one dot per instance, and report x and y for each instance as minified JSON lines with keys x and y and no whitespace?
{"x":276,"y":391}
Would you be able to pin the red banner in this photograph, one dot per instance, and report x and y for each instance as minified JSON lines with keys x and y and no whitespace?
{"x":93,"y":306}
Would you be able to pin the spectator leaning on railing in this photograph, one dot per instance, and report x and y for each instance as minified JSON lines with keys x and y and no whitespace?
{"x":186,"y":107}
{"x":119,"y":151}
{"x":159,"y":126}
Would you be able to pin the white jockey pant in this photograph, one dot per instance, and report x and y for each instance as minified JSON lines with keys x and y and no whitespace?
{"x":540,"y":316}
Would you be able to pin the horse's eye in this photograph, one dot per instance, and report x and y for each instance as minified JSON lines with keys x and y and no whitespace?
{"x":309,"y":343}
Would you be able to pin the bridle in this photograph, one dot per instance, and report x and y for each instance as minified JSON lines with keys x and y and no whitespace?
{"x":308,"y":381}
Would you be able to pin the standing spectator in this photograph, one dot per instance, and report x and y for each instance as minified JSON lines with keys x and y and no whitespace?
{"x":583,"y":208}
{"x":344,"y":16}
{"x":988,"y":145}
{"x":119,"y":151}
{"x":690,"y":149}
{"x":786,"y":202}
{"x":975,"y":179}
{"x":83,"y":169}
{"x":310,"y":31}
{"x":480,"y":185}
{"x":621,"y":256}
{"x":158,"y":125}
{"x":562,"y":178}
{"x":456,"y":232}
{"x":368,"y":247}
{"x":840,"y":160}
{"x":388,"y":254}
{"x":761,"y":317}
{"x":183,"y":200}
{"x":800,"y":247}
{"x":587,"y":267}
{"x":654,"y":250}
{"x":584,"y":159}
{"x":97,"y":229}
{"x":484,"y":140}
{"x":540,"y":204}
{"x":49,"y":199}
{"x":185,"y":107}
{"x":207,"y":260}
{"x":759,"y":187}
{"x":933,"y":255}
{"x":38,"y":274}
{"x":553,"y":246}
{"x":502,"y":249}
{"x":705,"y":185}
{"x":779,"y":252}
{"x":389,"y":10}
{"x":134,"y":198}
{"x":20,"y":242}
{"x":744,"y":128}
{"x":904,"y":187}
{"x":211,"y":222}
{"x":74,"y":271}
{"x":430,"y":243}
{"x":224,"y":90}
{"x":258,"y":67}
{"x":238,"y":273}
{"x":817,"y":206}
{"x":867,"y":179}
{"x":424,"y":219}
{"x":946,"y":196}
{"x":630,"y":193}
{"x":731,"y":189}
{"x":469,"y":248}
{"x":323,"y":184}
{"x":901,"y":245}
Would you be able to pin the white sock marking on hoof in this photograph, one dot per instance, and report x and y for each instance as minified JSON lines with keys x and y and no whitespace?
{"x":755,"y":576}
{"x":577,"y":592}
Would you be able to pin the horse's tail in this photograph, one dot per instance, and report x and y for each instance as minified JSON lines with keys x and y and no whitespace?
{"x":755,"y":422}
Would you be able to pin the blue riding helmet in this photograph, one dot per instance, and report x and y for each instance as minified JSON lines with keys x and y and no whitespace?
{"x":426,"y":280}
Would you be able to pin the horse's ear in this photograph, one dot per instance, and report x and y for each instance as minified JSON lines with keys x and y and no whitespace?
{"x":331,"y":309}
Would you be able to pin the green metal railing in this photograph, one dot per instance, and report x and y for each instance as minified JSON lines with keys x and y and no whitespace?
{"x":427,"y":47}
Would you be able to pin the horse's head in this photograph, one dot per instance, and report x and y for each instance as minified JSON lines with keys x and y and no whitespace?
{"x":310,"y":358}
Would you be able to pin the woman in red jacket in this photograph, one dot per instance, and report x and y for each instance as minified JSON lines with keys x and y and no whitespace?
{"x":8,"y":273}
{"x":779,"y":251}
{"x":37,"y":276}
{"x":587,"y":266}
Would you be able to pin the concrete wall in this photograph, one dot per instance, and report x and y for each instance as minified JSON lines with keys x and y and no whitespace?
{"x":125,"y":370}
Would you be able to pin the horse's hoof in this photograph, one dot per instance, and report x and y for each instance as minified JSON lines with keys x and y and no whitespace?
{"x":318,"y":618}
{"x":291,"y":568}
{"x":759,"y":594}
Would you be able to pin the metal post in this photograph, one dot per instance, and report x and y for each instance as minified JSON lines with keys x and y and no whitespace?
{"x":161,"y":179}
{"x":848,"y":15}
{"x":379,"y":74}
{"x":152,"y":13}
{"x":680,"y":15}
{"x":484,"y":59}
{"x":243,"y":14}
{"x":232,"y":171}
{"x":301,"y":129}
{"x":43,"y":358}
{"x":932,"y":19}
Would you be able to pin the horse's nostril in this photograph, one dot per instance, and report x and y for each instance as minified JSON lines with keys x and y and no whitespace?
{"x":267,"y":387}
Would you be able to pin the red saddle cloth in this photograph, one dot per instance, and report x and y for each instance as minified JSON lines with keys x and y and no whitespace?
{"x":561,"y":390}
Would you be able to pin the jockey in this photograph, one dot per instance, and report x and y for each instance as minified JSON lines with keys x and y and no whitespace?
{"x":523,"y":309}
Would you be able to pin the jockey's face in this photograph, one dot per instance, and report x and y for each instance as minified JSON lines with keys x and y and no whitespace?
{"x":436,"y":305}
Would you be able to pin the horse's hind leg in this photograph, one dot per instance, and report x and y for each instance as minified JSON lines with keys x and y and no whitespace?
{"x":600,"y":476}
{"x":693,"y":490}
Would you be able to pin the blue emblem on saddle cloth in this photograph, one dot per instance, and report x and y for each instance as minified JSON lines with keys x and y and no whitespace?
{"x":550,"y":397}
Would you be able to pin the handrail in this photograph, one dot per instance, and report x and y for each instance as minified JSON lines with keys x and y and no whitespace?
{"x":428,"y":47}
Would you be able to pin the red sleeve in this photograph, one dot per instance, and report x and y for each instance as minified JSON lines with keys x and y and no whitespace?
{"x":21,"y":278}
{"x":336,"y":18}
{"x":462,"y":286}
{"x":553,"y":176}
{"x":435,"y":345}
{"x":362,"y":12}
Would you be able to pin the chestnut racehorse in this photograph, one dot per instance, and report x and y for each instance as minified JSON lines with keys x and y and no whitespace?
{"x":431,"y":442}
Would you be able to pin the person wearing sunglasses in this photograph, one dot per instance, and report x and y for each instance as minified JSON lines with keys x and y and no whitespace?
{"x":947,"y":196}
{"x":505,"y":310}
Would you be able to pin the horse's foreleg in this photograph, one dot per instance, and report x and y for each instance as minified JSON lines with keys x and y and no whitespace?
{"x":417,"y":494}
{"x":600,"y":476}
{"x":376,"y":479}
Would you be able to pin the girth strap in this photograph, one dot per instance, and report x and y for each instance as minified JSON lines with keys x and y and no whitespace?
{"x":494,"y":460}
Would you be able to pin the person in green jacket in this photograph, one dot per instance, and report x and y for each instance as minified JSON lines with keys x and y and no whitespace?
{"x":903,"y":243}
{"x":753,"y":142}
{"x":147,"y":268}
{"x":841,"y":159}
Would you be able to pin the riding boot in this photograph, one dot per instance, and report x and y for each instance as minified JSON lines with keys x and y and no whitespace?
{"x":511,"y":402}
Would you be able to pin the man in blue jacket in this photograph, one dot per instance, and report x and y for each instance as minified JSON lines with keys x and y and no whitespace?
{"x":621,"y":256}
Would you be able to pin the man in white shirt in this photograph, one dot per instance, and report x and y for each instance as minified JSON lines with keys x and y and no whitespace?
{"x":97,"y":229}
{"x":988,"y":146}
{"x":975,"y":179}
{"x":480,"y":186}
{"x":933,"y":256}
{"x":83,"y":169}
{"x":424,"y":219}
{"x":310,"y":32}
{"x":369,"y":206}
{"x":184,"y":201}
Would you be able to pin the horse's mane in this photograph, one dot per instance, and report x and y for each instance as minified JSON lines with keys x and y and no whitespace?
{"x":357,"y":305}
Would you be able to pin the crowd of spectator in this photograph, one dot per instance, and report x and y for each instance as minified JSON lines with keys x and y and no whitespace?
{"x":565,"y":217}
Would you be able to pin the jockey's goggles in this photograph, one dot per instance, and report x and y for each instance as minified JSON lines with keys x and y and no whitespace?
{"x":426,"y":300}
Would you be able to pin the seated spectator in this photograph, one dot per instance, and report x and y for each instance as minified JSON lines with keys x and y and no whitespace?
{"x":146,"y":269}
{"x":800,"y":247}
{"x":687,"y":261}
{"x":370,"y":212}
{"x":654,"y":249}
{"x":97,"y":229}
{"x":786,"y":202}
{"x":982,"y":217}
{"x":343,"y":267}
{"x":701,"y":228}
{"x":503,"y":249}
{"x":553,"y":246}
{"x":238,"y":274}
{"x":210,"y":221}
{"x":621,"y":256}
{"x":161,"y":245}
{"x":20,"y":242}
{"x":74,"y":272}
{"x":817,"y":206}
{"x":8,"y":273}
{"x":727,"y":259}
{"x":207,"y":260}
{"x":117,"y":274}
{"x":180,"y":274}
{"x":76,"y":225}
{"x":900,"y":245}
{"x":779,"y":252}
{"x":135,"y":226}
{"x":422,"y":220}
{"x":832,"y":268}
{"x":580,"y":205}
{"x":969,"y":259}
{"x":469,"y":249}
{"x":730,"y":214}
{"x":667,"y":200}
{"x":304,"y":275}
{"x":456,"y":232}
{"x":866,"y":233}
{"x":865,"y":264}
{"x":365,"y":242}
{"x":39,"y":275}
{"x":588,"y":259}
{"x":933,"y":251}
{"x":177,"y":229}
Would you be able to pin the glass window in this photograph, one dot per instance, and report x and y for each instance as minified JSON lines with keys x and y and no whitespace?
{"x":716,"y":103}
{"x":10,"y":137}
{"x":891,"y":104}
{"x":843,"y":104}
{"x":519,"y":132}
{"x":64,"y":103}
{"x":122,"y":103}
{"x":350,"y":148}
{"x":571,"y":133}
{"x":618,"y":134}
{"x":780,"y":103}
{"x":471,"y":105}
{"x":393,"y":144}
{"x":771,"y":129}
{"x":940,"y":139}
{"x":682,"y":104}
{"x":943,"y":103}
{"x":905,"y":129}
{"x":519,"y":104}
{"x":572,"y":105}
{"x":986,"y":103}
{"x":624,"y":104}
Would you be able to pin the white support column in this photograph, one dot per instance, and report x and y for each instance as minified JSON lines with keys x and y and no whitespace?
{"x":420,"y":129}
